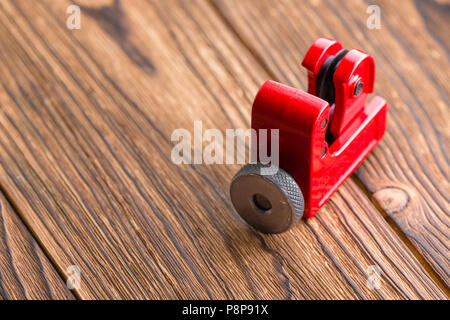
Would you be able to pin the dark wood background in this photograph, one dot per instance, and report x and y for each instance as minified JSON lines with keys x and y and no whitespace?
{"x":86,"y":179}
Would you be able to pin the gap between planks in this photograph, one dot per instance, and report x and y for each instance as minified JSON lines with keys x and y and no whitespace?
{"x":24,"y":269}
{"x":403,"y":237}
{"x":40,"y":245}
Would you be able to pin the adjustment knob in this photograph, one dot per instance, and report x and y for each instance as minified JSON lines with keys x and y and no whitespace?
{"x":270,"y":203}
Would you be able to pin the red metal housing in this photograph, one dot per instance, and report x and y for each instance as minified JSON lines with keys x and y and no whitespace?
{"x":320,"y":165}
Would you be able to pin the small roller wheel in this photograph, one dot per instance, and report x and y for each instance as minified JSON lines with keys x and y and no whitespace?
{"x":270,"y":203}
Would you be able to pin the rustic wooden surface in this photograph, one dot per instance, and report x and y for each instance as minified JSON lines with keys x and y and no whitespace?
{"x":86,"y":118}
{"x":408,"y":173}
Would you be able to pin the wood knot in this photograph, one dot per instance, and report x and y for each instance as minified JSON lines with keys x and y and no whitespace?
{"x":392,"y":199}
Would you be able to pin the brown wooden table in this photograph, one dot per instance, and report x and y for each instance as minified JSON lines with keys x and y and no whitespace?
{"x":86,"y":118}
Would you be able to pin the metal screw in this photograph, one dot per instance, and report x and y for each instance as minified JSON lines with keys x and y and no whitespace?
{"x":359,"y":88}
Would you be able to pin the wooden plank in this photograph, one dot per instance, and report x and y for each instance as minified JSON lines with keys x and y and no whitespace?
{"x":407,"y":175}
{"x":87,"y":118}
{"x":25,"y":271}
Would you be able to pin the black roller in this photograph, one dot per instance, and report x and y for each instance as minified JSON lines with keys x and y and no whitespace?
{"x":324,"y":82}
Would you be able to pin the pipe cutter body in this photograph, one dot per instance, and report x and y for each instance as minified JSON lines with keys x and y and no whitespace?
{"x":324,"y":135}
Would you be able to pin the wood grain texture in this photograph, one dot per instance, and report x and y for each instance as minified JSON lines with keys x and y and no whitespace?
{"x":408,"y":173}
{"x":25,"y":271}
{"x":87,"y":117}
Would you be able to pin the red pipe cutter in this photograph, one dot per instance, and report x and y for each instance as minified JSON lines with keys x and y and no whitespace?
{"x":324,"y":135}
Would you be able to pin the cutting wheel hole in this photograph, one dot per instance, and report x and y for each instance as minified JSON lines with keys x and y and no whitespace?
{"x":262,"y":203}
